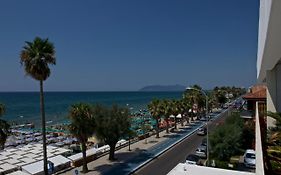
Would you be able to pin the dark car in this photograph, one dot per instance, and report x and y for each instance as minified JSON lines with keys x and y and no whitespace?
{"x":192,"y":159}
{"x":204,"y":142}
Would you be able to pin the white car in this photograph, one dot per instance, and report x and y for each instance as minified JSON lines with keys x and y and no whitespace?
{"x":192,"y":159}
{"x":250,"y":158}
{"x":201,"y":152}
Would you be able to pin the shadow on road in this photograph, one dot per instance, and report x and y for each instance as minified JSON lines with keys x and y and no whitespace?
{"x":124,"y":167}
{"x":172,"y":136}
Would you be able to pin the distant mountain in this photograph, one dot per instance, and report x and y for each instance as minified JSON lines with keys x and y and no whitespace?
{"x":163,"y":88}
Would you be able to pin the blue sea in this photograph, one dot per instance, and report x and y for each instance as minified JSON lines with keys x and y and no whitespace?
{"x":24,"y":107}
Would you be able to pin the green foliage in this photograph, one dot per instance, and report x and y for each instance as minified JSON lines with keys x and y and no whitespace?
{"x":36,"y":56}
{"x":81,"y":121}
{"x":2,"y":109}
{"x":277,"y":117}
{"x":156,"y":112}
{"x":81,"y":126}
{"x":4,"y":127}
{"x":111,"y":125}
{"x":154,"y":108}
{"x":248,"y":135}
{"x":226,"y":140}
{"x":195,"y":96}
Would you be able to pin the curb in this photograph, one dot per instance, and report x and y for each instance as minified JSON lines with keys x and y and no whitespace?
{"x":163,"y":151}
{"x":169,"y":147}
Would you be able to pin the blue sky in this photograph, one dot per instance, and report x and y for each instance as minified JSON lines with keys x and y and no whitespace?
{"x":109,"y":45}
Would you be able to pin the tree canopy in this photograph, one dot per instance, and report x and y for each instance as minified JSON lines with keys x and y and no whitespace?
{"x":4,"y":127}
{"x":112,"y":125}
{"x":82,"y":126}
{"x":36,"y":56}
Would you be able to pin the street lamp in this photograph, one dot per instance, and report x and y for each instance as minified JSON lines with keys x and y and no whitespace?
{"x":206,"y":105}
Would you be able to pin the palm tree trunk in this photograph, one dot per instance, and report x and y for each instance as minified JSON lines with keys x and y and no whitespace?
{"x":43,"y":128}
{"x":157,"y":128}
{"x":84,"y":148}
{"x":175,"y":123}
{"x":167,"y":125}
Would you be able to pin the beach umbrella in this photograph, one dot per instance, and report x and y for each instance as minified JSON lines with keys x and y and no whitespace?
{"x":11,"y":141}
{"x":172,"y":116}
{"x":179,"y":116}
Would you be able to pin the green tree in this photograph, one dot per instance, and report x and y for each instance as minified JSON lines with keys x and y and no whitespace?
{"x":166,"y":109}
{"x":195,"y":97}
{"x":4,"y":127}
{"x":82,"y":126}
{"x":111,"y":125}
{"x":225,"y":141}
{"x":275,"y":133}
{"x":186,"y":106}
{"x":36,"y":57}
{"x":155,"y":111}
{"x":176,"y":109}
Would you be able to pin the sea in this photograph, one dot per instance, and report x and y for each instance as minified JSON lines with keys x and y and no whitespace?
{"x":24,"y":107}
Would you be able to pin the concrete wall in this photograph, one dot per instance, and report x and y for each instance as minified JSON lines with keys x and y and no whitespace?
{"x":271,"y":90}
{"x":269,"y":39}
{"x":278,"y":86}
{"x":273,"y":81}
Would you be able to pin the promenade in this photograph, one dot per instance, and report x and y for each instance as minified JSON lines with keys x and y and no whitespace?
{"x":141,"y":152}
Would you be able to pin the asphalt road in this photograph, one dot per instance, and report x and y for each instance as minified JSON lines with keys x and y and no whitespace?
{"x":167,"y":161}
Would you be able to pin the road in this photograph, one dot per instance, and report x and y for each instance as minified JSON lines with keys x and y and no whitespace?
{"x":167,"y":161}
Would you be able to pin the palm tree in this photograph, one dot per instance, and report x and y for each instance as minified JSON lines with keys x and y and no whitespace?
{"x":36,"y":57}
{"x":154,"y":109}
{"x":4,"y":128}
{"x":176,"y":109}
{"x":167,"y":111}
{"x":82,"y":126}
{"x":195,"y":97}
{"x":183,"y":107}
{"x":186,"y":106}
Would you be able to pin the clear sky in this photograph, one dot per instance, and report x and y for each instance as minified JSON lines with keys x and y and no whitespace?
{"x":112,"y":45}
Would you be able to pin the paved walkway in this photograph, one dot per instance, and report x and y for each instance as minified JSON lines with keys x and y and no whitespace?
{"x":128,"y":160}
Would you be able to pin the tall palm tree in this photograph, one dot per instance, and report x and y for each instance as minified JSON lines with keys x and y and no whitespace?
{"x":154,"y":109}
{"x":82,"y":126}
{"x":4,"y":128}
{"x":36,"y":57}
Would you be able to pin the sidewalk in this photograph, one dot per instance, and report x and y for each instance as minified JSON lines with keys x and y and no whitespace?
{"x":102,"y":165}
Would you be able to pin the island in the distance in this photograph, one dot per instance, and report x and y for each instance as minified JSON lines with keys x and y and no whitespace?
{"x":163,"y":88}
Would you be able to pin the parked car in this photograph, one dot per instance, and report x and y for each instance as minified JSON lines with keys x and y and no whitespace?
{"x":201,"y":152}
{"x":225,"y":106}
{"x":204,"y":142}
{"x":202,"y":131}
{"x":211,"y":115}
{"x":250,"y":158}
{"x":203,"y":118}
{"x":192,"y":159}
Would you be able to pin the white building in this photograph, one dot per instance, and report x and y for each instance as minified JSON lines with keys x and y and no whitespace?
{"x":269,"y":52}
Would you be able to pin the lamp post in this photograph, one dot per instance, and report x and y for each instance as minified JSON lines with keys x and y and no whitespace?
{"x":206,"y":105}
